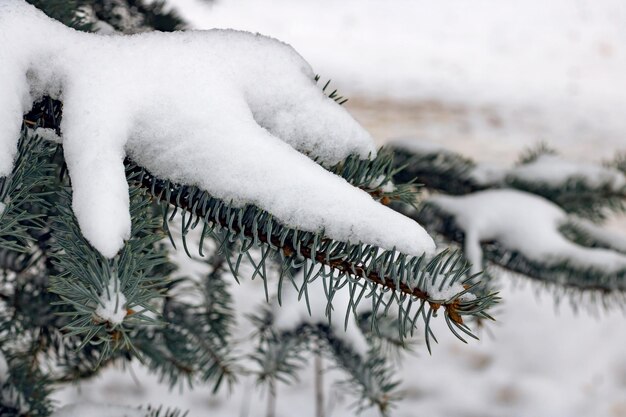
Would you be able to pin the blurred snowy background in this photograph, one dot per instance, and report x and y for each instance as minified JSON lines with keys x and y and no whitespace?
{"x":488,"y":79}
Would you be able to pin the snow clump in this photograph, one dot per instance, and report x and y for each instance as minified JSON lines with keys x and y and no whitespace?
{"x":236,"y":114}
{"x":555,"y":171}
{"x":522,"y":222}
{"x":112,"y":305}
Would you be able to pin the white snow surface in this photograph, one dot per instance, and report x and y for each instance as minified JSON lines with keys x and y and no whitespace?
{"x":112,"y":306}
{"x":445,"y":293}
{"x":488,"y":173}
{"x":555,"y":171}
{"x":385,"y":186}
{"x":48,"y":134}
{"x":227,"y":111}
{"x":522,"y":222}
{"x":610,"y":237}
{"x":97,"y":410}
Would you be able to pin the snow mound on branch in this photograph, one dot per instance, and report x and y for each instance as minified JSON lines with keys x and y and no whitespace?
{"x":522,"y":222}
{"x":112,"y":306}
{"x":554,"y":171}
{"x":97,"y":410}
{"x":613,"y":239}
{"x":236,"y":114}
{"x":446,"y":292}
{"x":486,"y":174}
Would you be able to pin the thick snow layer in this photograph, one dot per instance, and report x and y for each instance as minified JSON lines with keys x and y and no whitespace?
{"x":555,"y":171}
{"x":97,"y":410}
{"x":522,"y":222}
{"x":112,"y":306}
{"x":224,"y":110}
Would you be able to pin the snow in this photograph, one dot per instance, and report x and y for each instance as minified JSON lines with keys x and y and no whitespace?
{"x":112,"y":305}
{"x":223,"y":110}
{"x":546,"y":169}
{"x":447,"y":292}
{"x":521,"y":222}
{"x":385,"y":186}
{"x":47,"y":134}
{"x":388,"y":187}
{"x":555,"y":171}
{"x":2,"y":207}
{"x":97,"y":410}
{"x":607,"y":236}
{"x":535,"y":360}
{"x":486,"y":174}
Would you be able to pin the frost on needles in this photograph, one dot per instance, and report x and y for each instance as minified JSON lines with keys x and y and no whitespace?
{"x":236,"y":114}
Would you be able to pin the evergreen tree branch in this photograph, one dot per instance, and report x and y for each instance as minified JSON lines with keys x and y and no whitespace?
{"x":85,"y":276}
{"x":252,"y":227}
{"x":563,"y":274}
{"x":382,"y":270}
{"x":23,"y":198}
{"x":451,"y":173}
{"x":442,"y":170}
{"x":281,"y":354}
{"x":371,"y":379}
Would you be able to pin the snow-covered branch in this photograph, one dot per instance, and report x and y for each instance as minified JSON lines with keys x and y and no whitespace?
{"x":590,"y":190}
{"x":233,"y":113}
{"x":529,"y":235}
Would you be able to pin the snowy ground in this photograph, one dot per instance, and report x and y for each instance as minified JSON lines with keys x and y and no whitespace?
{"x":487,"y":79}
